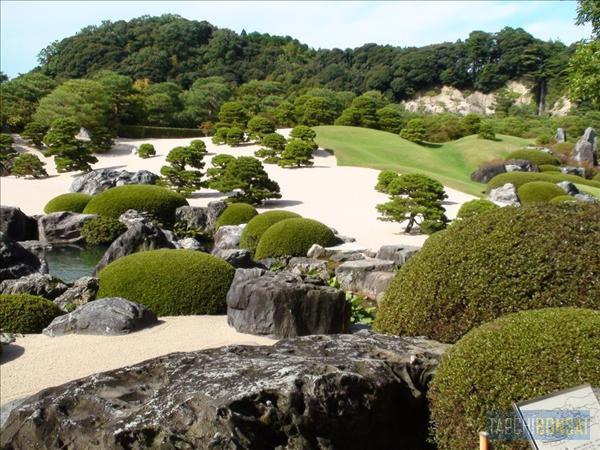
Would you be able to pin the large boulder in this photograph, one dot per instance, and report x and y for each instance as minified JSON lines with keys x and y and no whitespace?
{"x":213,"y":211}
{"x":239,"y":258}
{"x":505,"y":195}
{"x":99,"y":180}
{"x":227,"y":237}
{"x":192,"y":216}
{"x":586,"y":148}
{"x":107,"y":316}
{"x":375,"y":285}
{"x":397,"y":253}
{"x":132,"y":216}
{"x":62,"y":227}
{"x":487,"y":172}
{"x":350,"y":392}
{"x":560,"y":136}
{"x":35,"y":284}
{"x":284,"y":305}
{"x":17,"y":225}
{"x":82,"y":291}
{"x":15,"y":260}
{"x":308,"y":266}
{"x":138,"y":237}
{"x":354,"y":275}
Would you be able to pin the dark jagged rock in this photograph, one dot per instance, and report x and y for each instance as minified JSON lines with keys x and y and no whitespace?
{"x":82,"y":291}
{"x":238,"y":257}
{"x":99,"y":180}
{"x":17,"y":225}
{"x":193,"y":216}
{"x":62,"y":227}
{"x":35,"y":284}
{"x":213,"y":211}
{"x":586,"y":148}
{"x":346,"y":392}
{"x":285,"y":305}
{"x":16,"y":261}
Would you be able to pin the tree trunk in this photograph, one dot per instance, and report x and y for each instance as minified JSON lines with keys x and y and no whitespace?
{"x":410,"y":224}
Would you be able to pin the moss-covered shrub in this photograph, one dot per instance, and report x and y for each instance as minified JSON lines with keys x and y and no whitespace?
{"x":517,"y":357}
{"x":257,"y":226}
{"x":563,"y":198}
{"x":23,"y":313}
{"x":549,"y":168}
{"x":72,"y":202}
{"x":520,"y":178}
{"x":293,"y":237}
{"x":158,"y":201}
{"x":475,"y":207}
{"x":236,"y":214}
{"x":538,"y":191}
{"x":169,"y":282}
{"x":597,"y":177}
{"x":146,"y":151}
{"x":535,"y":156}
{"x":563,"y":148}
{"x":506,"y":260}
{"x":102,"y":230}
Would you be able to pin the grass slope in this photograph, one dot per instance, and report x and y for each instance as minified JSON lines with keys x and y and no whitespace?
{"x":451,"y":163}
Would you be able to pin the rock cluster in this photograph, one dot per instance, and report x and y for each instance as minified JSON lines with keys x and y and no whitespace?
{"x":99,"y":180}
{"x":487,"y":172}
{"x":39,"y":284}
{"x":17,"y":225}
{"x":15,"y":260}
{"x":62,"y":227}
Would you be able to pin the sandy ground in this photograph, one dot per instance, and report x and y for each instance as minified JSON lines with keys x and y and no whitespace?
{"x":34,"y":362}
{"x":341,"y":197}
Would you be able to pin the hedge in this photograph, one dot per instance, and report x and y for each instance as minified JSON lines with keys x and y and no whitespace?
{"x":24,"y":313}
{"x":520,"y":178}
{"x":257,"y":226}
{"x":563,"y":198}
{"x":293,"y":237}
{"x":143,"y":132}
{"x":236,"y":214}
{"x":506,"y":260}
{"x":517,"y":357}
{"x":72,"y":202}
{"x":538,"y":191}
{"x":102,"y":230}
{"x":535,"y":156}
{"x":169,"y":282}
{"x":475,"y":207}
{"x":549,"y":168}
{"x":158,"y":201}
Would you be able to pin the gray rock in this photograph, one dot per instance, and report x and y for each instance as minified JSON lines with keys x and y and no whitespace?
{"x":376,"y":283}
{"x":586,"y":148}
{"x":35,"y":284}
{"x":227,"y":237}
{"x":17,"y":225}
{"x":132,"y":216}
{"x":352,"y":275}
{"x":238,"y":257}
{"x":82,"y":291}
{"x":189,"y":244}
{"x":397,"y":253}
{"x":571,"y":170}
{"x":504,"y":195}
{"x":308,"y":266}
{"x":107,"y":316}
{"x":139,"y":237}
{"x":213,"y":211}
{"x":561,"y":135}
{"x":486,"y":173}
{"x":348,"y":255}
{"x":62,"y":227}
{"x":15,"y":260}
{"x":358,"y":391}
{"x":193,"y":216}
{"x":7,"y":338}
{"x":345,"y":239}
{"x":284,"y":305}
{"x":568,"y":187}
{"x":335,"y":253}
{"x":99,"y":180}
{"x":586,"y":198}
{"x":520,"y":165}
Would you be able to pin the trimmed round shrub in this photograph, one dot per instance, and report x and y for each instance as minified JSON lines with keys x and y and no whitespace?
{"x":517,"y":357}
{"x":538,"y":191}
{"x":506,"y":260}
{"x":146,"y":151}
{"x":564,"y":198}
{"x":24,"y":313}
{"x":102,"y":230}
{"x":236,"y":214}
{"x":520,"y":178}
{"x":535,"y":156}
{"x":158,"y":201}
{"x":72,"y":202}
{"x":169,"y":282}
{"x":293,"y":237}
{"x":549,"y":168}
{"x":475,"y":207}
{"x":257,"y":226}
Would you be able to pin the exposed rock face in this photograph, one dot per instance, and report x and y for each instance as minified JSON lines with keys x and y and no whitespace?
{"x":397,"y":253}
{"x":285,"y":305}
{"x":100,"y":180}
{"x":561,"y":135}
{"x":354,"y":276}
{"x":360,"y":391}
{"x":62,"y":227}
{"x":189,"y":244}
{"x":16,"y":261}
{"x":192,"y":216}
{"x":227,"y":237}
{"x":213,"y":211}
{"x":139,"y":237}
{"x":504,"y":195}
{"x":238,"y":257}
{"x":486,"y":173}
{"x":17,"y":225}
{"x":132,"y":216}
{"x":572,"y":170}
{"x":336,"y":254}
{"x":35,"y":284}
{"x":586,"y":149}
{"x":308,"y":266}
{"x":82,"y":291}
{"x":375,"y":285}
{"x":108,"y":316}
{"x":568,"y":187}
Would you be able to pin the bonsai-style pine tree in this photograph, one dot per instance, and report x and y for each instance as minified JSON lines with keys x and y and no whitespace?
{"x":486,"y":131}
{"x":297,"y":153}
{"x":416,"y":199}
{"x":69,"y":153}
{"x":274,"y":144}
{"x":28,"y":164}
{"x":303,"y":133}
{"x":258,"y":127}
{"x":235,"y":136}
{"x":34,"y":132}
{"x":177,"y":174}
{"x":7,"y":153}
{"x":414,"y":131}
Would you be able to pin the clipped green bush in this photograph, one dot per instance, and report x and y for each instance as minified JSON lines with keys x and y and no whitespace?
{"x":293,"y":237}
{"x":158,"y":201}
{"x":563,"y":198}
{"x":257,"y":226}
{"x":72,"y":202}
{"x":169,"y":282}
{"x":506,"y":260}
{"x":475,"y":207}
{"x":549,"y":168}
{"x":520,"y":178}
{"x":538,"y":191}
{"x":535,"y":156}
{"x":102,"y":230}
{"x":146,"y":151}
{"x":24,"y":313}
{"x":517,"y":357}
{"x":236,"y":214}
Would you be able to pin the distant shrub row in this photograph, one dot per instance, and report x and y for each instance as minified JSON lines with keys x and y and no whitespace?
{"x":143,"y":132}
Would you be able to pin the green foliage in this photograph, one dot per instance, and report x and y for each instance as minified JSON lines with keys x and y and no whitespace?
{"x":486,"y":131}
{"x":589,"y":11}
{"x":563,"y":198}
{"x":24,"y":313}
{"x":470,"y":124}
{"x":258,"y":127}
{"x":297,"y":153}
{"x":520,"y":178}
{"x":147,"y":132}
{"x":102,"y":230}
{"x":416,"y":199}
{"x":505,"y":260}
{"x":73,"y":202}
{"x":535,"y":156}
{"x":101,"y":140}
{"x":597,"y":177}
{"x":293,"y":237}
{"x":178,"y":176}
{"x":316,"y":110}
{"x":235,"y":136}
{"x":303,"y":133}
{"x":538,"y":191}
{"x":384,"y":179}
{"x":549,"y":168}
{"x":257,"y":226}
{"x":34,"y":133}
{"x":233,"y":114}
{"x":158,"y":201}
{"x":146,"y":151}
{"x":414,"y":130}
{"x":220,"y":135}
{"x":169,"y":282}
{"x":475,"y":207}
{"x":28,"y":164}
{"x":391,"y":118}
{"x":69,"y":153}
{"x":203,"y":100}
{"x":515,"y":358}
{"x":236,"y":214}
{"x":274,"y":144}
{"x":7,"y":152}
{"x":363,"y":111}
{"x":584,"y":77}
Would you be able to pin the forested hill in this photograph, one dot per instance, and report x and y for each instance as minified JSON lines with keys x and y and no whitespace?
{"x":171,"y":48}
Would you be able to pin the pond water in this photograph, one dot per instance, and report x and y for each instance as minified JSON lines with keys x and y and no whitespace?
{"x":70,"y":262}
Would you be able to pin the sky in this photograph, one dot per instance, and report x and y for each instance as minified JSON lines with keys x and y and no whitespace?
{"x":28,"y":26}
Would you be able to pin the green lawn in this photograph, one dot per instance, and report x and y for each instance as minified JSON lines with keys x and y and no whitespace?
{"x":451,"y":163}
{"x":589,"y":189}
